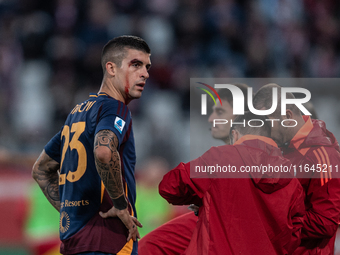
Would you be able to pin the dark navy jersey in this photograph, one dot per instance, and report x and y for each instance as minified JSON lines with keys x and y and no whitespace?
{"x":82,"y":194}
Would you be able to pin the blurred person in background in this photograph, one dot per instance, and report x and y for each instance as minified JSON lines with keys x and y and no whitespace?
{"x":174,"y":236}
{"x":38,"y":216}
{"x":42,"y":224}
{"x":309,"y":144}
{"x":225,"y":111}
{"x":86,"y":171}
{"x":257,"y":213}
{"x":152,"y":209}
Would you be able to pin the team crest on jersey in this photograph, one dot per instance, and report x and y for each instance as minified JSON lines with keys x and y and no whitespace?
{"x":119,"y":124}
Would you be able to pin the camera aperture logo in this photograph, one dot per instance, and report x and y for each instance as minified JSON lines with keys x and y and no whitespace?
{"x":204,"y":97}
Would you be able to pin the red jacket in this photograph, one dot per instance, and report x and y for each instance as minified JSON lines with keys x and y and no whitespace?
{"x":240,"y":216}
{"x":313,"y":145}
{"x":171,"y":238}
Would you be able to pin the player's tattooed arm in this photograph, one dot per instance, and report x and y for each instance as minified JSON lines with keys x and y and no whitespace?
{"x":45,"y":173}
{"x":108,"y":165}
{"x":109,"y":168}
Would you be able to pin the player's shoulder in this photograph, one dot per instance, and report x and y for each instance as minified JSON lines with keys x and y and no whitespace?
{"x":225,"y":151}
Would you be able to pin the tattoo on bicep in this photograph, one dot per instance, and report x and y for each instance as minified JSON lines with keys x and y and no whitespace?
{"x":110,"y":170}
{"x":106,"y":138}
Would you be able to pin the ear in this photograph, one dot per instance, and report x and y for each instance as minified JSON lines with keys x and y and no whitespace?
{"x":110,"y":68}
{"x":235,"y":136}
{"x":289,"y":114}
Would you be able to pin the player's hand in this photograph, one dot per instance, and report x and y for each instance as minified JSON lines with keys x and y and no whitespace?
{"x":129,"y":221}
{"x":194,"y":208}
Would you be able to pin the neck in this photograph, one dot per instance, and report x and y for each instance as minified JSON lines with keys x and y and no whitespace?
{"x":300,"y":122}
{"x":226,"y":140}
{"x":108,"y":87}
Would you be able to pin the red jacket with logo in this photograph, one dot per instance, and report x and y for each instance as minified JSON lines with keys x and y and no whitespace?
{"x":315,"y":153}
{"x":249,"y":216}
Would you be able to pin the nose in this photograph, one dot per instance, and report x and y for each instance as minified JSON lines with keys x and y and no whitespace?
{"x":211,"y":117}
{"x":145,"y":73}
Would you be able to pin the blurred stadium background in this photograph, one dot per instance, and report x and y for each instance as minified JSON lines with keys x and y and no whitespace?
{"x":50,"y":60}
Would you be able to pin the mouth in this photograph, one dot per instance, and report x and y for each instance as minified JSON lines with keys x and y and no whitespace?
{"x":141,"y":85}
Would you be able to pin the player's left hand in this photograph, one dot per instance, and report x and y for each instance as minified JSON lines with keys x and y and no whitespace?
{"x":129,"y":221}
{"x":194,"y":208}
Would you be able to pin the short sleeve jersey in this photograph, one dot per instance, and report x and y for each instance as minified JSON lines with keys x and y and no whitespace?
{"x":80,"y":186}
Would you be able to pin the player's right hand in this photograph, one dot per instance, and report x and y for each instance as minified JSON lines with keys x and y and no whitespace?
{"x":129,"y":221}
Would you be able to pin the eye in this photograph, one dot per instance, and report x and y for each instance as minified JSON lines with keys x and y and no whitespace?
{"x":219,"y":112}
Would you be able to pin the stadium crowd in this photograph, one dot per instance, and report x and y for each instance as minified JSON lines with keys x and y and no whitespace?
{"x":50,"y":60}
{"x":50,"y":57}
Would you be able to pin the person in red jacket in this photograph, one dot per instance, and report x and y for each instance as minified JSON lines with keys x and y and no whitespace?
{"x":260,"y":213}
{"x":315,"y":153}
{"x":173,"y":237}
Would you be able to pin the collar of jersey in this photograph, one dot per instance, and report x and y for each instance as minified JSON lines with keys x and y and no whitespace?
{"x":97,"y":95}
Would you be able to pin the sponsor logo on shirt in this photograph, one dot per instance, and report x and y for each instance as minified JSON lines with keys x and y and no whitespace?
{"x":119,"y":124}
{"x":64,"y":222}
{"x":68,"y":203}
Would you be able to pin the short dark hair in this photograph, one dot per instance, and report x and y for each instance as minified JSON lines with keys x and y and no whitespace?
{"x":258,"y":120}
{"x":115,"y":49}
{"x":264,"y":99}
{"x":225,"y":94}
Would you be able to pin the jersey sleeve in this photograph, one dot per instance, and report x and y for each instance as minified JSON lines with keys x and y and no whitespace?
{"x":52,"y":148}
{"x":114,"y":118}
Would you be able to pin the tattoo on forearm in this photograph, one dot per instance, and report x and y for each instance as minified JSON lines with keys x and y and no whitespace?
{"x":53,"y":190}
{"x":45,"y":172}
{"x":110,"y":171}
